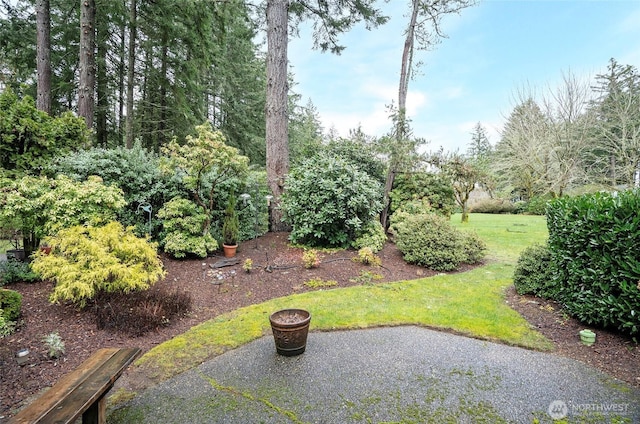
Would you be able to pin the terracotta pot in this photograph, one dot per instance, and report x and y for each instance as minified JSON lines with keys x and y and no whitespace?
{"x":229,"y":250}
{"x":290,"y":328}
{"x":45,"y":249}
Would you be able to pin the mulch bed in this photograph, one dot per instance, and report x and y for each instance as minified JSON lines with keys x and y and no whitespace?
{"x":277,"y":271}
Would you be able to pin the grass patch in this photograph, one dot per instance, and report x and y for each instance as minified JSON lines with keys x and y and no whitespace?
{"x":470,"y":303}
{"x":505,"y":235}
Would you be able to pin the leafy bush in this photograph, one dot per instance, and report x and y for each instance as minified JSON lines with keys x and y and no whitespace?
{"x":372,"y":236}
{"x":230,"y":223}
{"x":367,"y":256}
{"x":328,"y":201}
{"x":6,"y":327}
{"x":537,"y":205}
{"x":493,"y":206}
{"x":85,"y":260}
{"x":135,"y":171}
{"x":12,"y":271}
{"x":359,"y":153}
{"x":534,"y":272}
{"x":429,"y":240}
{"x":29,"y":138}
{"x":594,"y":243}
{"x":203,"y":163}
{"x":433,"y":191}
{"x":40,"y":206}
{"x":182,"y":233}
{"x":310,"y":259}
{"x":11,"y":304}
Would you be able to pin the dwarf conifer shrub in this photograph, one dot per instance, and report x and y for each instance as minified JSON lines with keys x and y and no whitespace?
{"x":429,"y":240}
{"x":85,"y":260}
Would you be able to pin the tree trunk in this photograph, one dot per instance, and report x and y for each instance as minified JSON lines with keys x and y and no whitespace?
{"x":277,"y":136}
{"x":121,"y":89}
{"x":400,"y":133}
{"x":130,"y":74}
{"x":86,"y":86}
{"x":102,"y":104}
{"x":407,"y":59}
{"x":43,"y":54}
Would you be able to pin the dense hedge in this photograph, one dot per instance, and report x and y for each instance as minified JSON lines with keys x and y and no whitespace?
{"x":594,"y":243}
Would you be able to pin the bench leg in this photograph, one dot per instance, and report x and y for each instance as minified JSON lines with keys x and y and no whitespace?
{"x":97,"y":413}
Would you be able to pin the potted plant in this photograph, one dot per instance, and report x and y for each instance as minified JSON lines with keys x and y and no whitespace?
{"x":290,"y":328}
{"x":230,"y":229}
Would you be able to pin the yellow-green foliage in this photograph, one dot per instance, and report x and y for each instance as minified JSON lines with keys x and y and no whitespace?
{"x":310,"y":259}
{"x":367,"y":257}
{"x":85,"y":260}
{"x":316,"y":283}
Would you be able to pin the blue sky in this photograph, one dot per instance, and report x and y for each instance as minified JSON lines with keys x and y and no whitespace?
{"x":493,"y":50}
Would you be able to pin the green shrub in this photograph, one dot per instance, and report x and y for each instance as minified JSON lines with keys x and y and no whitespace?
{"x":85,"y":260}
{"x":230,"y":223}
{"x":433,"y":191}
{"x":493,"y":206}
{"x":372,"y":236}
{"x":182,"y":234}
{"x":534,"y":273}
{"x":6,"y":327}
{"x":136,"y":171}
{"x":40,"y":206}
{"x":12,"y":271}
{"x":367,"y":256}
{"x":11,"y":304}
{"x":54,"y":345}
{"x":328,"y":201}
{"x":537,"y":205}
{"x":594,"y":243}
{"x":429,"y":240}
{"x":30,"y":138}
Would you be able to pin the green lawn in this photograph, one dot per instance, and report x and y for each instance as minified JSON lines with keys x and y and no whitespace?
{"x":470,"y":303}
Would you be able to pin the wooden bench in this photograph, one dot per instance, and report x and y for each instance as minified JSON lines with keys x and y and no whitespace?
{"x":81,"y":392}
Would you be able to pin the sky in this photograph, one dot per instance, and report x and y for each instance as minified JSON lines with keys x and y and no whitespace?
{"x":493,"y":51}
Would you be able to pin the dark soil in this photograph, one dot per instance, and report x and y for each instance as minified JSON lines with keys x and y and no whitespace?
{"x":277,"y":271}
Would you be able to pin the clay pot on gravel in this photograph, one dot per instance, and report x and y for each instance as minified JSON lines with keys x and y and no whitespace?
{"x":290,"y":328}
